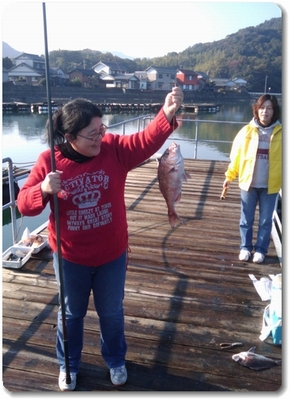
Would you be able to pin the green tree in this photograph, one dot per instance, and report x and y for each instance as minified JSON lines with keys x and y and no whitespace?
{"x":7,"y":63}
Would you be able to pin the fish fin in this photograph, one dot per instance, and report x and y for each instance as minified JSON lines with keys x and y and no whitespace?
{"x":178,"y":199}
{"x":173,"y":169}
{"x":185,"y":176}
{"x":252,"y":349}
{"x":236,"y":357}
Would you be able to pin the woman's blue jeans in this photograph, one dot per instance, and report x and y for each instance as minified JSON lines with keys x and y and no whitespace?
{"x":249,"y":201}
{"x":107,"y":283}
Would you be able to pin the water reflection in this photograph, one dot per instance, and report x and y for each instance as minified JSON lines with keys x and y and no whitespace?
{"x":28,"y":126}
{"x":23,"y":134}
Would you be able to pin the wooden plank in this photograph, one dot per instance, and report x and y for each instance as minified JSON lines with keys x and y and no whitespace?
{"x":186,"y":292}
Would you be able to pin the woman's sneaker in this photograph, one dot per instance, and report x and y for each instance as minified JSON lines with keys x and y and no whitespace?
{"x":244,"y":255}
{"x":118,"y":375}
{"x":258,"y":258}
{"x":62,"y":381}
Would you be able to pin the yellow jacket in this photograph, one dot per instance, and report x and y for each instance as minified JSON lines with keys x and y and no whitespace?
{"x":243,"y":157}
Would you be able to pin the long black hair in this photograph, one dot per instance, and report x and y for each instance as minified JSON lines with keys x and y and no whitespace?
{"x":71,"y":118}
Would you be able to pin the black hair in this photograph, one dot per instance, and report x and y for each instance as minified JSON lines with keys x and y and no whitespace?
{"x":71,"y":118}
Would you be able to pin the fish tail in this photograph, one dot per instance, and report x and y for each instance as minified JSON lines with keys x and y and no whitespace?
{"x":173,"y":219}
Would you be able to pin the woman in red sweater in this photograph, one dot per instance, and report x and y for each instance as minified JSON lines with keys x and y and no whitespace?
{"x":90,"y":176}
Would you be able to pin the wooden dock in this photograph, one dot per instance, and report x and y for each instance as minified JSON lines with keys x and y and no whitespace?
{"x":186,"y":293}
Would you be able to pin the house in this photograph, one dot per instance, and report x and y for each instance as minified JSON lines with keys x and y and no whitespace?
{"x":188,"y":79}
{"x":204,"y":80}
{"x":106,"y":80}
{"x":25,"y":74}
{"x":161,"y":78}
{"x":223,"y":83}
{"x":142,"y":80}
{"x":204,"y":76}
{"x":135,"y":80}
{"x":58,"y":77}
{"x":110,"y":68}
{"x":240,"y":82}
{"x":87,"y":77}
{"x":107,"y":71}
{"x":125,"y":81}
{"x":32,"y":60}
{"x":29,"y":69}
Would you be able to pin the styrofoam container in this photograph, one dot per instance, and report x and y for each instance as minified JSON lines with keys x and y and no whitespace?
{"x":35,"y":247}
{"x":22,"y":252}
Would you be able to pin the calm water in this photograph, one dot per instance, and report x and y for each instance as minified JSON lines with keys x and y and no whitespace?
{"x":22,"y":141}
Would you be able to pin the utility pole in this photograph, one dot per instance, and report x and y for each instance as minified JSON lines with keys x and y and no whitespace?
{"x":266,"y":79}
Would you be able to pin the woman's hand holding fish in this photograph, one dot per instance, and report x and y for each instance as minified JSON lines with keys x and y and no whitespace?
{"x":172,"y":103}
{"x":51,"y":183}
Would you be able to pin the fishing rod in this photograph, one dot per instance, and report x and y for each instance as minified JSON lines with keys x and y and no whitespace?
{"x":56,"y":210}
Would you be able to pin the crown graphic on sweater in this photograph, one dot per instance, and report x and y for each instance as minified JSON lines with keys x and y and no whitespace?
{"x":87,"y":199}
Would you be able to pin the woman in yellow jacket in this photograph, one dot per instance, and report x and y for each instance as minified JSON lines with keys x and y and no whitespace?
{"x":256,"y":158}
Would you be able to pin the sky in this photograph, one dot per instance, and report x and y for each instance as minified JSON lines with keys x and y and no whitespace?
{"x":136,"y":29}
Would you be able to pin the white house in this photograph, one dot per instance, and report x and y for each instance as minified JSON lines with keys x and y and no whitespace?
{"x":143,"y":79}
{"x":30,"y":68}
{"x":109,"y":68}
{"x":32,"y":60}
{"x":223,"y":83}
{"x":240,"y":82}
{"x":24,"y":73}
{"x":161,"y":78}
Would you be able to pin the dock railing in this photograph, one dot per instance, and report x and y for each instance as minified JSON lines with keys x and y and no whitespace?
{"x":277,"y":227}
{"x":142,"y":120}
{"x":12,"y":203}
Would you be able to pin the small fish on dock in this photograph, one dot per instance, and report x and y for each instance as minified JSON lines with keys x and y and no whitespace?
{"x":171,"y":174}
{"x":230,"y":345}
{"x":255,"y":361}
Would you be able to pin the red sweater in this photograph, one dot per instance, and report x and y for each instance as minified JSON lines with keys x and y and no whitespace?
{"x":91,"y":204}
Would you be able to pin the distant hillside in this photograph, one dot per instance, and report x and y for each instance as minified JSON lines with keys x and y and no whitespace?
{"x":8,"y":51}
{"x":253,"y":54}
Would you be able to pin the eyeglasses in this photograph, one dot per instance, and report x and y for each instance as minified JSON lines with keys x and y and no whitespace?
{"x":94,"y":137}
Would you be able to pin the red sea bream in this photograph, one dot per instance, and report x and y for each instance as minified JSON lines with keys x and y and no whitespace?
{"x":171,"y":174}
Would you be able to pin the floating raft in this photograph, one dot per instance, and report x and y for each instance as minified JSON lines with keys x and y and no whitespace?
{"x":15,"y":107}
{"x":201,"y":108}
{"x":42,"y":108}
